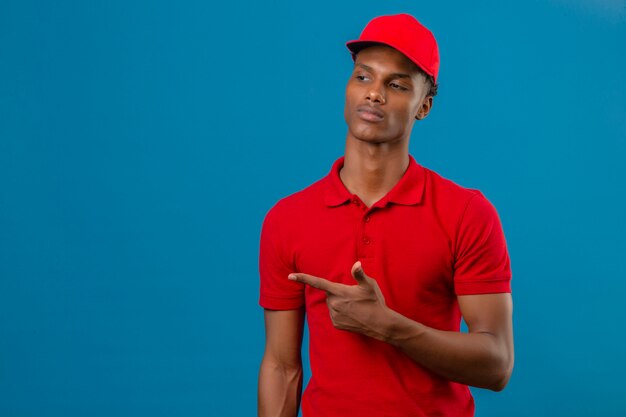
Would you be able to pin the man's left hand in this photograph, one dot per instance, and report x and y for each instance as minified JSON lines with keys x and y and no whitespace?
{"x":357,"y":308}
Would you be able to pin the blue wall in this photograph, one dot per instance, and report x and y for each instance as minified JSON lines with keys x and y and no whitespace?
{"x":141,"y":145}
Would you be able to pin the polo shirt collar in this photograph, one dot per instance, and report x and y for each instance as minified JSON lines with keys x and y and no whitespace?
{"x":408,"y":191}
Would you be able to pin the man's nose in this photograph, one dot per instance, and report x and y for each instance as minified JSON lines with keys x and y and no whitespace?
{"x":376,"y":94}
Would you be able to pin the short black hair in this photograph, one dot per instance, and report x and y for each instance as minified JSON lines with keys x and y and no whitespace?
{"x":432,"y":87}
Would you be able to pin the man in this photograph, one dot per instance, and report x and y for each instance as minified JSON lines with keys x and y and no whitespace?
{"x":384,"y":256}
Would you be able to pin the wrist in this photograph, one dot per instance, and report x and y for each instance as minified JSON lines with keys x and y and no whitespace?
{"x":384,"y":325}
{"x":396,"y":329}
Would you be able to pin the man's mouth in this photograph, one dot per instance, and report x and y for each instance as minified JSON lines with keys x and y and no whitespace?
{"x":370,"y":114}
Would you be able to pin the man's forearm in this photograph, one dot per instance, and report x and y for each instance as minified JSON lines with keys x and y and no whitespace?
{"x":279,"y":389}
{"x":476,"y":359}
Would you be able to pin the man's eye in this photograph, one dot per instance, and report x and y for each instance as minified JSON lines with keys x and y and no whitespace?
{"x":397,"y":86}
{"x":361,"y":77}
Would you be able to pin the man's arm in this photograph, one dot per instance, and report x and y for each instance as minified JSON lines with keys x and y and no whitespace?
{"x":280,"y":376}
{"x":481,"y":358}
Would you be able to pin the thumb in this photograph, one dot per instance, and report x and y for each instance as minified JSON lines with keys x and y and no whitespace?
{"x":358,"y":273}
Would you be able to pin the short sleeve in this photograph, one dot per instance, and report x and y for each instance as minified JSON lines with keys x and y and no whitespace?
{"x":481,"y":264}
{"x":275,"y":264}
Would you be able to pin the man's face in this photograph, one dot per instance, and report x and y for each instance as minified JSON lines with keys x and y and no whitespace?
{"x":386,"y":93}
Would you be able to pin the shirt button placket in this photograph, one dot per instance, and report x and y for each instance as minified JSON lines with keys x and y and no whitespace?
{"x":366,"y":236}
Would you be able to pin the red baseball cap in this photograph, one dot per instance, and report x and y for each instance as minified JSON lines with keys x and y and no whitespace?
{"x":404,"y":33}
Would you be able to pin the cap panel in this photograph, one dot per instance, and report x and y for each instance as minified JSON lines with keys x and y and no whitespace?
{"x":404,"y":33}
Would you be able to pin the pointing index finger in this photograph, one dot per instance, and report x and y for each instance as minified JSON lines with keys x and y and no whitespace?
{"x":315,"y":282}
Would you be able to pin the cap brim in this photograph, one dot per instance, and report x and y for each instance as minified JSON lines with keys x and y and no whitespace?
{"x":356,"y":45}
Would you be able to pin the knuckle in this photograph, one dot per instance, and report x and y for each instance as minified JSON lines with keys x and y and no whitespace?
{"x":332,"y":302}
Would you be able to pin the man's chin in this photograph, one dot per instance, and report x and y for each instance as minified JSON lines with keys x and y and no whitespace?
{"x":372,"y":136}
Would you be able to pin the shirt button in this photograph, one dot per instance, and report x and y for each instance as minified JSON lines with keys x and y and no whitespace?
{"x":355,"y":201}
{"x":366,"y":219}
{"x":366,"y":240}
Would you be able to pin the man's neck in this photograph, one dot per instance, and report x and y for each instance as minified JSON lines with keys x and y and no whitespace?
{"x":370,"y":170}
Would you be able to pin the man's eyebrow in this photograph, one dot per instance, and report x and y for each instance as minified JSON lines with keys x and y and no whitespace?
{"x":393,"y":75}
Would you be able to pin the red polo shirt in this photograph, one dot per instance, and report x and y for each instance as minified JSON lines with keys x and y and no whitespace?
{"x":425,"y":242}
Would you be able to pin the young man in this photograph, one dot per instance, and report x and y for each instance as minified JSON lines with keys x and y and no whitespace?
{"x":384,"y":256}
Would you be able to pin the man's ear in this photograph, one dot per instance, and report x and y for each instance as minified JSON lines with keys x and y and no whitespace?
{"x":424,"y":109}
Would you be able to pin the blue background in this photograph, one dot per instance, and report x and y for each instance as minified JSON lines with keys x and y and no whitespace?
{"x":141,"y":144}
